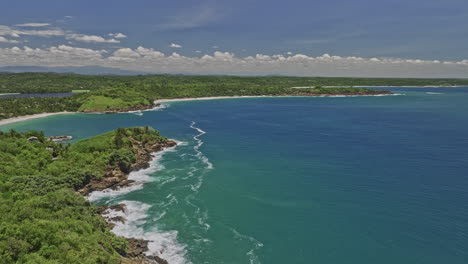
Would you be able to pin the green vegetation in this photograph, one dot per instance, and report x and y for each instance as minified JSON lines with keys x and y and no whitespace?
{"x":81,"y":91}
{"x":165,"y":86}
{"x":114,"y":99}
{"x":110,"y":93}
{"x":42,"y":218}
{"x":11,"y":107}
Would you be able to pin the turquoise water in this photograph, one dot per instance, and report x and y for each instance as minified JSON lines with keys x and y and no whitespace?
{"x":299,"y":180}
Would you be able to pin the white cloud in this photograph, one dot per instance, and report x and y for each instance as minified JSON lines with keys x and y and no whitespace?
{"x":176,"y":46}
{"x":5,"y":40}
{"x":91,"y":38}
{"x":215,"y":47}
{"x":33,"y":25}
{"x":117,"y":35}
{"x":150,"y":60}
{"x":14,"y":32}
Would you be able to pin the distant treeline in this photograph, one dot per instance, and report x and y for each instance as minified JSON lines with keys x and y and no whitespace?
{"x":183,"y":85}
{"x":110,"y":93}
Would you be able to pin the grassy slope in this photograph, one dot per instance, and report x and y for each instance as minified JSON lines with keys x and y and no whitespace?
{"x":113,"y":99}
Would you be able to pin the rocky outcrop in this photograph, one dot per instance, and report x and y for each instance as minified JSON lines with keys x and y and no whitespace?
{"x":115,"y":178}
{"x":60,"y":138}
{"x":136,"y":247}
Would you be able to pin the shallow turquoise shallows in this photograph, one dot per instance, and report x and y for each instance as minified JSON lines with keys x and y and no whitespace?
{"x":298,"y":180}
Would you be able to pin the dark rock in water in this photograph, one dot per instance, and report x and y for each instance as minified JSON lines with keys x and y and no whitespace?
{"x":60,"y":138}
{"x":158,"y":259}
{"x":118,"y":207}
{"x":118,"y":219}
{"x":136,"y":252}
{"x":137,"y":247}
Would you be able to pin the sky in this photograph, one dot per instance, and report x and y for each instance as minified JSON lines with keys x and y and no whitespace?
{"x":375,"y":38}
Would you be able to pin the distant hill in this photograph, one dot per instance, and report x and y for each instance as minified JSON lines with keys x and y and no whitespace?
{"x":85,"y":70}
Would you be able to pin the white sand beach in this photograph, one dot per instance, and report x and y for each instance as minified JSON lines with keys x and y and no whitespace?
{"x":210,"y":98}
{"x":28,"y":117}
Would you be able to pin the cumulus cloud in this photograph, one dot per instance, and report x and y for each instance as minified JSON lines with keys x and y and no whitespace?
{"x":15,"y":32}
{"x":176,"y":46}
{"x":61,"y":55}
{"x":117,"y":35}
{"x":151,"y":60}
{"x":91,"y":38}
{"x":5,"y":40}
{"x":46,"y":31}
{"x":33,"y":25}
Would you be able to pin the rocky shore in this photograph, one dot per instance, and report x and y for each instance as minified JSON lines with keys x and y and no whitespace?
{"x":116,"y":178}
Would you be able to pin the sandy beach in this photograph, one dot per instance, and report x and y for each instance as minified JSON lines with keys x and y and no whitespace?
{"x":28,"y":117}
{"x":257,"y":96}
{"x":209,"y":98}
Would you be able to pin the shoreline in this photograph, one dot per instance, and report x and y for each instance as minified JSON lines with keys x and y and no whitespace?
{"x":159,"y":101}
{"x":140,"y":247}
{"x":29,"y":117}
{"x":156,"y":102}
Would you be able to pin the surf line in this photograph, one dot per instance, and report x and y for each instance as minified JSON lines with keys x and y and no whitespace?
{"x":200,"y":142}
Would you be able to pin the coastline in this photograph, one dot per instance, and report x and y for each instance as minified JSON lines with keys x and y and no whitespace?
{"x":28,"y":117}
{"x":116,"y":182}
{"x":159,"y":101}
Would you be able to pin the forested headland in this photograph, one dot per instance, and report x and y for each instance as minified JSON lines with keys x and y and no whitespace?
{"x":43,"y":218}
{"x":109,"y":93}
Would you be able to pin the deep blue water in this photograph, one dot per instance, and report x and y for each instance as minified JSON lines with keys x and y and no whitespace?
{"x":301,"y":180}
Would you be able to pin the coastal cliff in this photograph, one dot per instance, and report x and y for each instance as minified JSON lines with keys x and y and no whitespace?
{"x":43,"y":212}
{"x":116,"y":176}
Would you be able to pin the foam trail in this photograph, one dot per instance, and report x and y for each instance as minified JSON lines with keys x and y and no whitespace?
{"x":253,"y":258}
{"x":161,"y":243}
{"x":200,"y":154}
{"x":433,"y":93}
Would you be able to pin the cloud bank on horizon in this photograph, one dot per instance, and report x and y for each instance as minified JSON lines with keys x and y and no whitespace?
{"x":199,"y":35}
{"x":154,"y":61}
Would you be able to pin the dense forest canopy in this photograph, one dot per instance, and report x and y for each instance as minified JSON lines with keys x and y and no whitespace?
{"x":167,"y":85}
{"x":42,"y":218}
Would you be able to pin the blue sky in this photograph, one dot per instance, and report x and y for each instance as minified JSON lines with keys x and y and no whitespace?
{"x":412,"y":29}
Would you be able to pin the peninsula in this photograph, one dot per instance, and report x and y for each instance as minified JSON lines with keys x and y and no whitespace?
{"x":45,"y":216}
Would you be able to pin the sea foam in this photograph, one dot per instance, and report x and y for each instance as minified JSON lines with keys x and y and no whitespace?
{"x":139,"y":177}
{"x":161,"y":243}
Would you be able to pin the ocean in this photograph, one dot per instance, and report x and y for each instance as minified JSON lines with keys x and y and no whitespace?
{"x":297,"y":180}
